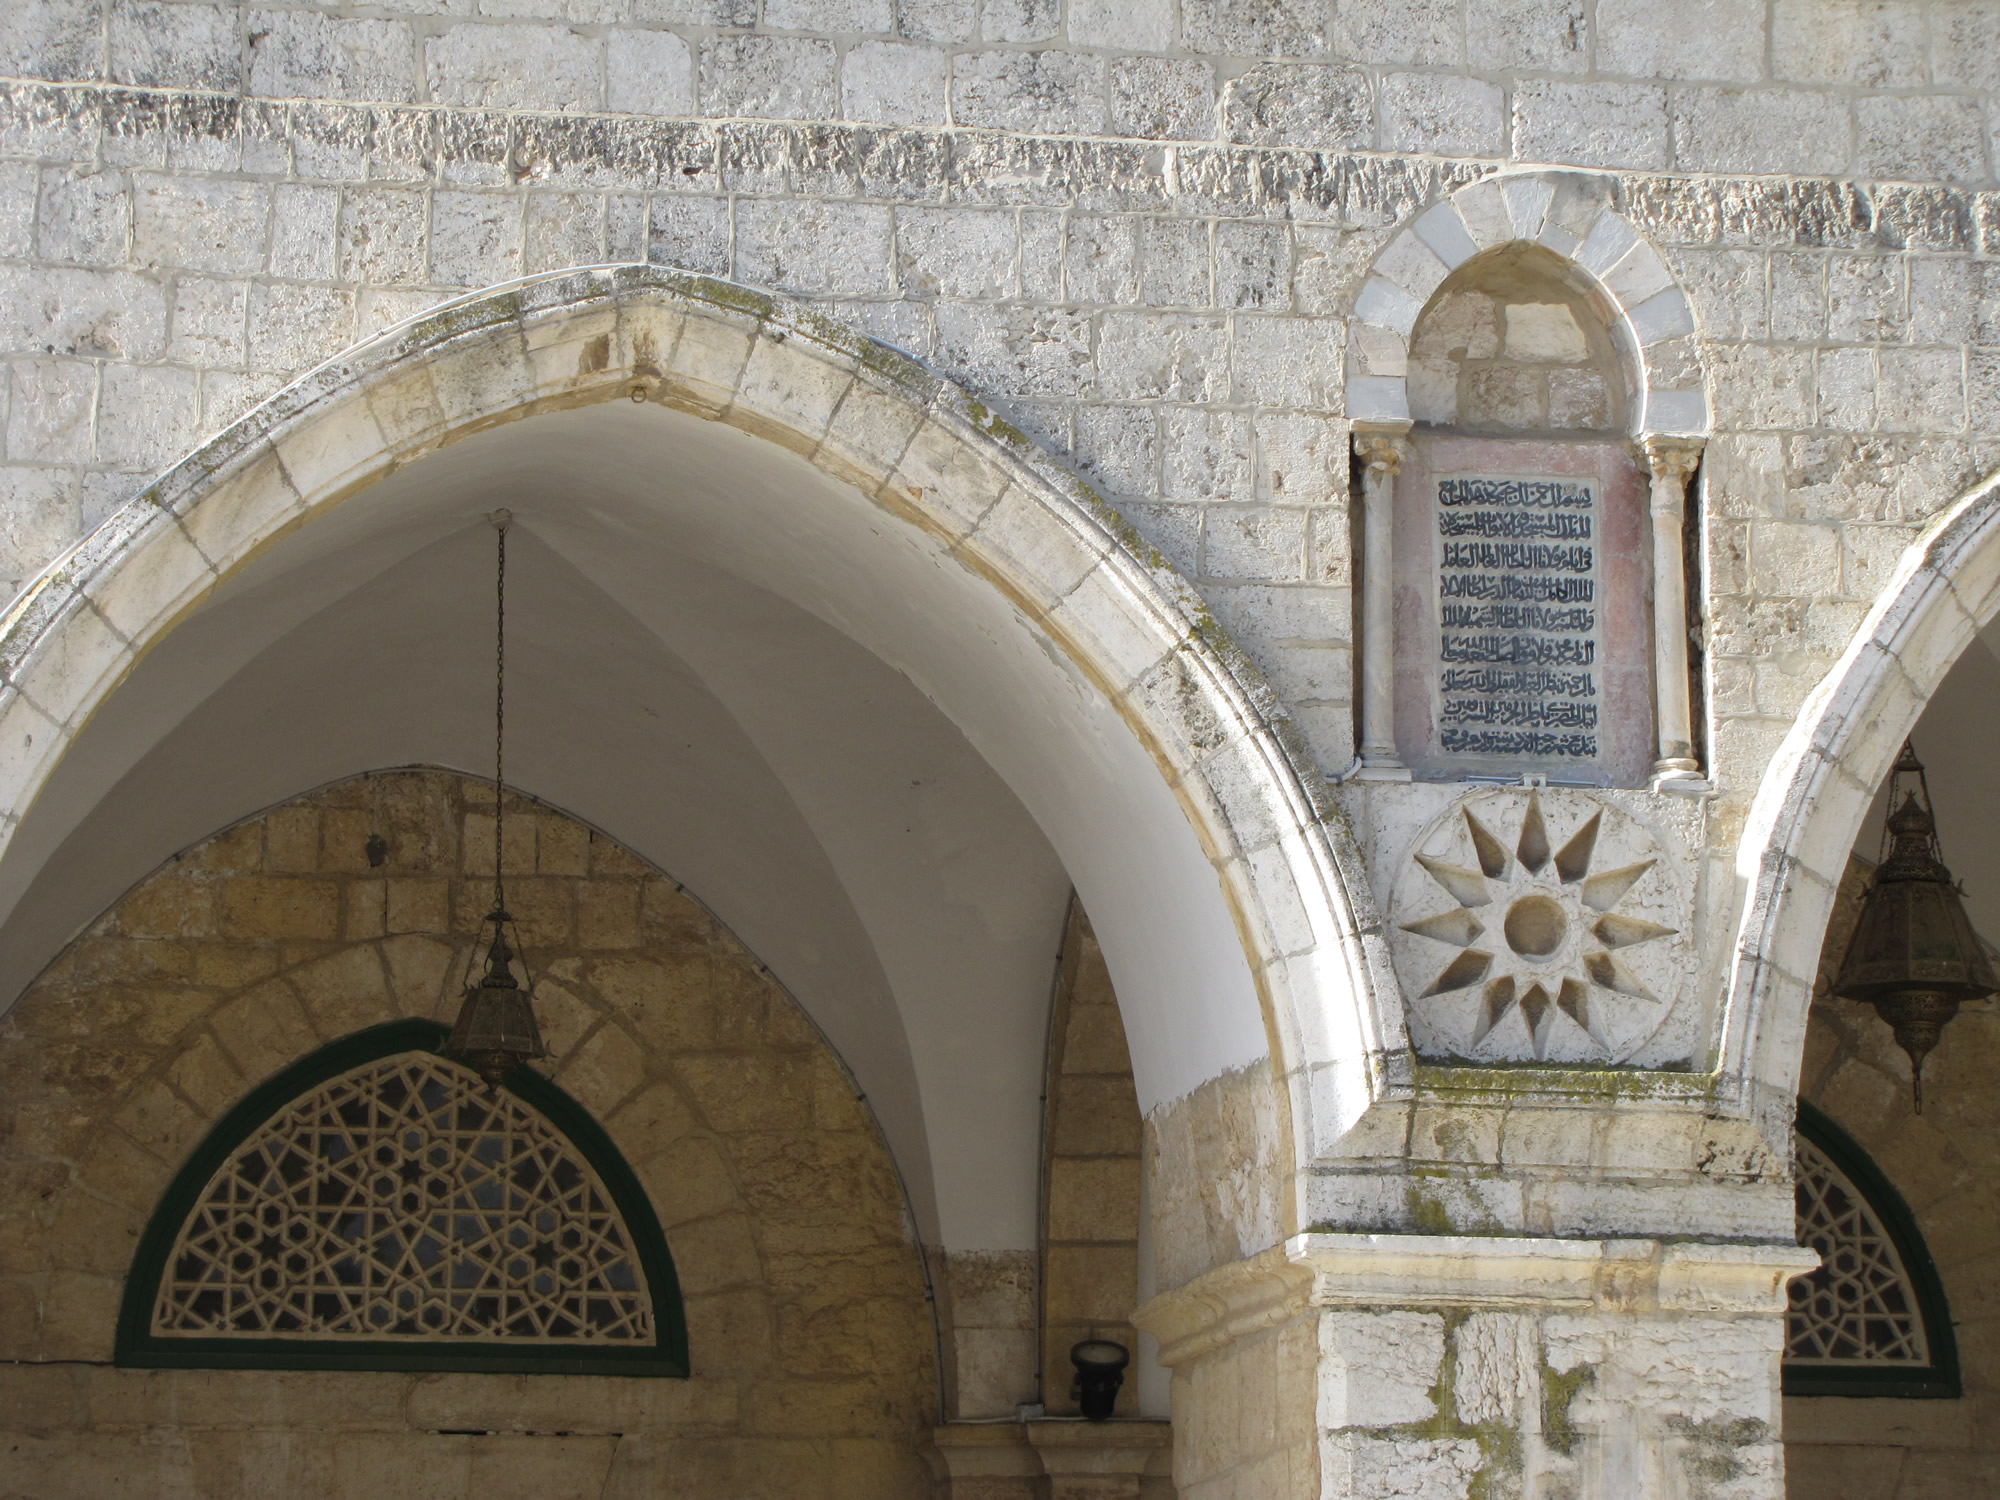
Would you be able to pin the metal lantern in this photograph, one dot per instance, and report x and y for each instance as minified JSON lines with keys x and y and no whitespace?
{"x":1914,"y":956}
{"x":1100,"y":1371}
{"x":496,"y":1030}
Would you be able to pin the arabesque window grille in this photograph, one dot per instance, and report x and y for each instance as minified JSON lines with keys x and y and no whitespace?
{"x":398,"y":1210}
{"x":1871,"y":1319}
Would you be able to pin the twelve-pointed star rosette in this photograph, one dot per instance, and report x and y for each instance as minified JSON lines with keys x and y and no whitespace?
{"x":1541,"y":940}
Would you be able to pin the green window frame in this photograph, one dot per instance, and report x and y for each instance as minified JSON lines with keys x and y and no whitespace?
{"x":1938,"y":1379}
{"x":138,"y":1346}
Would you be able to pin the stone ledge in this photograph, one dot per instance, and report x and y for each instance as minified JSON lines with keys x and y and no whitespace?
{"x":1119,"y":1457}
{"x":1879,"y":1422}
{"x":1634,"y":1276}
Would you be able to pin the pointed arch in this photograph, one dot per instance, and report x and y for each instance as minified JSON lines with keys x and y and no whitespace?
{"x":1319,"y":1001}
{"x":1815,"y":793}
{"x":1568,"y":213}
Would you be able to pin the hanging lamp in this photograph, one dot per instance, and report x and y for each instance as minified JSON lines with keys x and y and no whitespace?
{"x":1914,"y":956}
{"x":496,"y":1030}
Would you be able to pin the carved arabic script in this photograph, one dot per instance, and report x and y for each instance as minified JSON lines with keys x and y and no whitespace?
{"x":1518,"y":616}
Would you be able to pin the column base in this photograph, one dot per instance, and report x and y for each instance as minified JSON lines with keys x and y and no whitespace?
{"x":1681,"y":777}
{"x":1382,"y":770}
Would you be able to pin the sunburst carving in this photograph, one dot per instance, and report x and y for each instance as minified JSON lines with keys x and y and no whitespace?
{"x":1520,"y":940}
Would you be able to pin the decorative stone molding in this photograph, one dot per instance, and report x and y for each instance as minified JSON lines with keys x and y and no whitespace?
{"x":1415,"y":1270}
{"x":1809,"y":807}
{"x":1535,"y":926}
{"x":1568,"y":213}
{"x":1381,"y":447}
{"x":1671,"y":462}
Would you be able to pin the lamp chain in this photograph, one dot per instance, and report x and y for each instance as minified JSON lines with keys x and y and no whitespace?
{"x":500,"y":725}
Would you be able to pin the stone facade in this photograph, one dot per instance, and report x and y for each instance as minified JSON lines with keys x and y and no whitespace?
{"x":1160,"y":291}
{"x":812,"y":1346}
{"x":1120,"y":306}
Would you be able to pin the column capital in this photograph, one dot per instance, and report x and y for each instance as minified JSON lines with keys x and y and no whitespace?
{"x":1381,"y":445}
{"x":1671,"y":458}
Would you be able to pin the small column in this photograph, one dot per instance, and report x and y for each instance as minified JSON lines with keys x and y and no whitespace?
{"x":1380,"y":446}
{"x":1671,"y":461}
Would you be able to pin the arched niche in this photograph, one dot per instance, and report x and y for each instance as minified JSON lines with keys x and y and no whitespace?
{"x":1523,"y":565}
{"x":1603,"y":258}
{"x":1527,"y":408}
{"x":660,"y":435}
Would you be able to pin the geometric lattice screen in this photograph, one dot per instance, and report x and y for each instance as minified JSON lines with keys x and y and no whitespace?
{"x":1870,"y":1320}
{"x":393,"y":1207}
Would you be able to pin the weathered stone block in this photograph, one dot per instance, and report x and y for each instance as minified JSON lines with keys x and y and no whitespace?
{"x":1920,"y":138}
{"x":514,"y":67}
{"x":1438,"y":113}
{"x":785,"y":78}
{"x":648,"y":73}
{"x":1530,"y":35}
{"x":1162,"y":98}
{"x":1591,"y":124}
{"x":297,"y":54}
{"x":893,"y":83}
{"x":1041,"y":92}
{"x":1761,"y":130}
{"x":1276,"y":104}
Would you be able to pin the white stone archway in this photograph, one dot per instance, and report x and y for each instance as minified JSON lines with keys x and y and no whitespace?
{"x":1815,"y":795}
{"x":926,"y":453}
{"x":1568,"y":213}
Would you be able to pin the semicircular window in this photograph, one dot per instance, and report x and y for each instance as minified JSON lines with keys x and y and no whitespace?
{"x":375,"y":1206}
{"x":1872,"y":1320}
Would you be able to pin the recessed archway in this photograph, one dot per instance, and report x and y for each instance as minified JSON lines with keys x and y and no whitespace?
{"x":687,"y":435}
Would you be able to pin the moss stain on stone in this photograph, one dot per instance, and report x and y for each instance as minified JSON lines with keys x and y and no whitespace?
{"x":1559,"y":1389}
{"x":1713,"y":1448}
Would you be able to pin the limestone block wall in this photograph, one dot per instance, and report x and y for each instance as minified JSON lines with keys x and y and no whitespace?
{"x":1138,"y":227}
{"x":1946,"y":1164}
{"x":813,"y":1348}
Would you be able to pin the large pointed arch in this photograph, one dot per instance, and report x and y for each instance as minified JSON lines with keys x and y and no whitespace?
{"x":926,"y":454}
{"x":1815,"y":794}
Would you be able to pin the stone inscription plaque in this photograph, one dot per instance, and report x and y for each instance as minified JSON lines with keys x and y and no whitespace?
{"x":1518,"y":636}
{"x":1523,"y":611}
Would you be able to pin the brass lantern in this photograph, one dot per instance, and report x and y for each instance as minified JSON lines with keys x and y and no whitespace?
{"x":496,"y":1030}
{"x":1914,"y":957}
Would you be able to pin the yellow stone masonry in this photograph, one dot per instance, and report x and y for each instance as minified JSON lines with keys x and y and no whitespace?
{"x":811,"y":1340}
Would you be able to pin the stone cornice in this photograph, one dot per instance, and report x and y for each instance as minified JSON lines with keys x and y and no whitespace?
{"x":1634,"y":1276}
